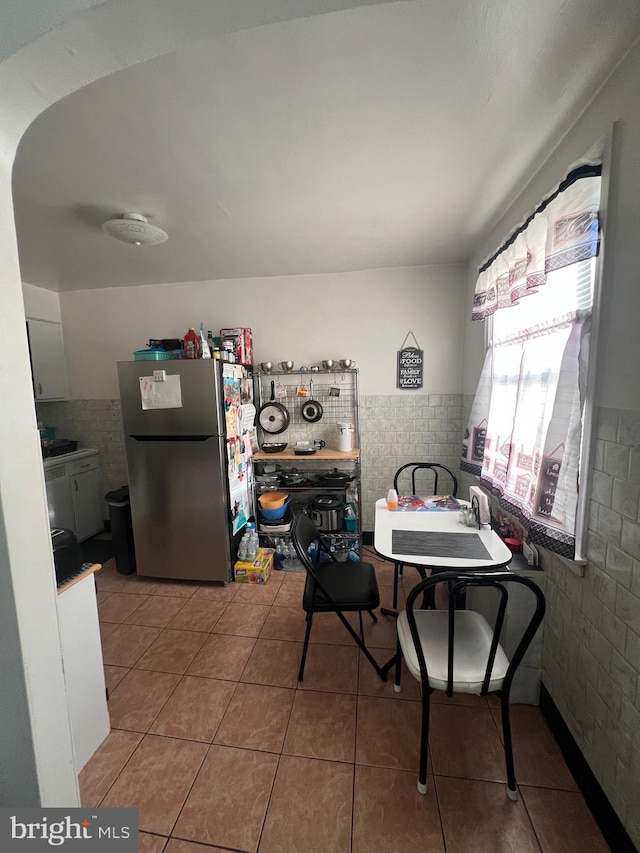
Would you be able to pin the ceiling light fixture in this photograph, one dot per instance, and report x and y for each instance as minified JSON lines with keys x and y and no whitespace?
{"x":133,"y":228}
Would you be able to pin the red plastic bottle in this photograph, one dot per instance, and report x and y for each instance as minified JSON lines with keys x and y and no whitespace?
{"x":191,"y":344}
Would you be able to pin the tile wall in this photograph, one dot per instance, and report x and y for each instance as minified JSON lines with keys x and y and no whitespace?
{"x":591,"y":641}
{"x":405,"y":428}
{"x":93,"y":423}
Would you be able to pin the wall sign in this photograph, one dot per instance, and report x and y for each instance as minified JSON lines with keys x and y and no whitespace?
{"x":410,"y":365}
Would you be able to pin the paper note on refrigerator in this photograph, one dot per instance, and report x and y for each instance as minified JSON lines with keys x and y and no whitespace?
{"x":160,"y":395}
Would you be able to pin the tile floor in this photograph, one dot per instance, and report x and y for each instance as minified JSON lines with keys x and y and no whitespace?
{"x":220,"y":748}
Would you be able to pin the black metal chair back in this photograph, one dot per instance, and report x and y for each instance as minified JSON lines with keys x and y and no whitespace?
{"x":458,"y":583}
{"x":431,"y":627}
{"x":436,"y":468}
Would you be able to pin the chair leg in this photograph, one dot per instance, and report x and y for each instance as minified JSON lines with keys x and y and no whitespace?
{"x":373,"y":615}
{"x":381,"y":672}
{"x":424,"y":743}
{"x":361,"y":626}
{"x":306,"y":645}
{"x":512,"y":788}
{"x":396,"y":575}
{"x":397,"y":688}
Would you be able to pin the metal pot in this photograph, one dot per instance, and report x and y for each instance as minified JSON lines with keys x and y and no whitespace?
{"x":327,"y":513}
{"x":335,"y":478}
{"x":273,"y":417}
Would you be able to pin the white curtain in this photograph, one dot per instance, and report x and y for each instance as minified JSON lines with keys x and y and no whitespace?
{"x":524,"y":432}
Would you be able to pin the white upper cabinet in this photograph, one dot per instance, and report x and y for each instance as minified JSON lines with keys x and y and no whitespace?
{"x":47,"y":360}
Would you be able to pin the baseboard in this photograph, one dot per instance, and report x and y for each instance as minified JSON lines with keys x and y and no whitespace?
{"x":603,"y":812}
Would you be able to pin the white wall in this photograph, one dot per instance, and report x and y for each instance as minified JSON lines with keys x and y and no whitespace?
{"x":362,"y":315}
{"x":41,"y":304}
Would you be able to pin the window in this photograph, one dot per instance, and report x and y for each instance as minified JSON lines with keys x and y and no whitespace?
{"x":524,"y":437}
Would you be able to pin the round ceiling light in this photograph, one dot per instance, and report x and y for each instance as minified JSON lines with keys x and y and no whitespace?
{"x":133,"y":228}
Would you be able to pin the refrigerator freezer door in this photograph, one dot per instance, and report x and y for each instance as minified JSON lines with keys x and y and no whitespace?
{"x":179,"y":508}
{"x":200,"y":383}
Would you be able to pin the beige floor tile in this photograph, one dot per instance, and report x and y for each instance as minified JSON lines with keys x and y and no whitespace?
{"x":470,"y":699}
{"x":284,"y":623}
{"x":536,"y":755}
{"x":289,"y":594}
{"x":138,"y":699}
{"x":107,"y":628}
{"x":389,"y":815}
{"x":256,"y":718}
{"x":229,"y":799}
{"x":139,"y":584}
{"x":332,"y":668}
{"x":156,"y":780}
{"x":256,"y":593}
{"x":370,"y":683}
{"x":222,"y":656}
{"x":102,"y":769}
{"x":273,"y":662}
{"x":322,"y":725}
{"x":172,"y":651}
{"x":118,"y":606}
{"x":384,"y":571}
{"x":177,"y":589}
{"x":113,"y":675}
{"x":110,"y":581}
{"x":195,"y":709}
{"x":102,"y":596}
{"x":157,"y":611}
{"x":562,"y":821}
{"x":127,"y":643}
{"x":245,"y":620}
{"x":328,"y":629}
{"x":464,"y":742}
{"x":148,"y":843}
{"x":177,"y":846}
{"x":217,"y":592}
{"x":308,"y":795}
{"x":198,"y":615}
{"x":478,"y":817}
{"x":388,"y":733}
{"x":382,"y":634}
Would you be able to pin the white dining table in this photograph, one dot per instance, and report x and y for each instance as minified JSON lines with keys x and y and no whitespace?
{"x":429,"y":536}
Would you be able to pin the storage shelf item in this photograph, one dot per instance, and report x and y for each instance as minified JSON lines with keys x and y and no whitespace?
{"x":336,"y":390}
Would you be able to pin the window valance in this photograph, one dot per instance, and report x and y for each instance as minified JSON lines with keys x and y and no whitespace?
{"x":563,"y":230}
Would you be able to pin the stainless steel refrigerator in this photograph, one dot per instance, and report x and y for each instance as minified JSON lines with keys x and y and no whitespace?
{"x":190,"y":481}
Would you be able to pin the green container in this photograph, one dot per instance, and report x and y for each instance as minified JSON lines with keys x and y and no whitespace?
{"x":152,"y":355}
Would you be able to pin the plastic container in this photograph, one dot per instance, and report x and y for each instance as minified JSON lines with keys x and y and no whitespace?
{"x":122,"y":529}
{"x":276,"y":513}
{"x":191,"y":344}
{"x":152,"y":355}
{"x":272,"y":500}
{"x":345,"y":437}
{"x":392,"y":500}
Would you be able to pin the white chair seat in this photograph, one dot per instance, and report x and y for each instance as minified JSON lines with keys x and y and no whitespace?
{"x":471,"y":650}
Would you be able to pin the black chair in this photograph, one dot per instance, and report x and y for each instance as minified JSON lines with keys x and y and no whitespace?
{"x":459,"y":652}
{"x":332,"y":586}
{"x":402,"y":476}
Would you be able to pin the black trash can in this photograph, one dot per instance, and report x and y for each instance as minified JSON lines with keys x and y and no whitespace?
{"x":122,"y":529}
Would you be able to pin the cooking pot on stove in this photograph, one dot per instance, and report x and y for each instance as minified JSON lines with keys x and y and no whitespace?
{"x":335,"y":478}
{"x":327,"y":513}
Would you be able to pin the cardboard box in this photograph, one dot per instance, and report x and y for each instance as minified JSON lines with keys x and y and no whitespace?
{"x":254,"y":571}
{"x":242,"y":344}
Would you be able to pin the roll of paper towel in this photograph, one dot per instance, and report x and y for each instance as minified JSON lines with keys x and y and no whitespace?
{"x":483,"y":503}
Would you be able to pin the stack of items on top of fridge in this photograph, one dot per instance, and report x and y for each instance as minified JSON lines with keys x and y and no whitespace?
{"x":232,"y":345}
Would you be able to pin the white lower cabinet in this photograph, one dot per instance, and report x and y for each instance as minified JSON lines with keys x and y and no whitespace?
{"x":74,"y":493}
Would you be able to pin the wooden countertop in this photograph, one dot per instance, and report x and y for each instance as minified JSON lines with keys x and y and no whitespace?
{"x":323,"y":453}
{"x":87,"y":569}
